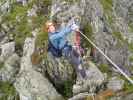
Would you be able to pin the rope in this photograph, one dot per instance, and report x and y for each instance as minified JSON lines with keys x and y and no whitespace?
{"x":121,"y":71}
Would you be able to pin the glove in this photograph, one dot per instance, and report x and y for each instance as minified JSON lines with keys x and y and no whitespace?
{"x":74,"y":27}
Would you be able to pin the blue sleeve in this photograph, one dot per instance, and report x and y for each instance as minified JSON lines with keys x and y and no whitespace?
{"x":62,"y":33}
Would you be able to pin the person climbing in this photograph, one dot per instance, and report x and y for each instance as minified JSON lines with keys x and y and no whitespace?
{"x":77,"y":43}
{"x":58,"y":45}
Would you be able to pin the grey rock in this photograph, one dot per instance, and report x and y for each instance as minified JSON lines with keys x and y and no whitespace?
{"x":59,"y":69}
{"x":2,"y":35}
{"x":115,"y":84}
{"x":5,"y":6}
{"x":128,"y":97}
{"x":7,"y":50}
{"x":80,"y":96}
{"x":10,"y":68}
{"x":95,"y":78}
{"x":24,"y":2}
{"x":31,"y":84}
{"x":32,"y":12}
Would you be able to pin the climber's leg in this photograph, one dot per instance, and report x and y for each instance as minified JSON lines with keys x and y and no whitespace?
{"x":74,"y":58}
{"x":78,"y":64}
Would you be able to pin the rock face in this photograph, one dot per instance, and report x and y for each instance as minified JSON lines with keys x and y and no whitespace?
{"x":115,"y":84}
{"x":109,"y":24}
{"x":7,"y":50}
{"x":59,"y":69}
{"x":30,"y":84}
{"x":95,"y":79}
{"x":10,"y":68}
{"x":105,"y":34}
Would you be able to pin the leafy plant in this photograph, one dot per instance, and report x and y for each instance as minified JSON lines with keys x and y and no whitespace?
{"x":7,"y":89}
{"x":105,"y":69}
{"x":1,"y":65}
{"x":89,"y":33}
{"x":107,"y":7}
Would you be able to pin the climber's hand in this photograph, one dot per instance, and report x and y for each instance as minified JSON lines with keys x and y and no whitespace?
{"x":75,"y":27}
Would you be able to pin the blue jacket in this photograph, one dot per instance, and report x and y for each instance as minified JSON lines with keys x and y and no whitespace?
{"x":58,"y":39}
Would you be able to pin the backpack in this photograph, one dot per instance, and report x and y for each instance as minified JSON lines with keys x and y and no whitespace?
{"x":55,"y":51}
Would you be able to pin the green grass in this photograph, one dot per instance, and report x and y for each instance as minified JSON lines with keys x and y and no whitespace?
{"x":131,"y":59}
{"x":87,"y":30}
{"x":107,"y":8}
{"x":41,"y":38}
{"x":7,"y":89}
{"x":130,"y":26}
{"x":66,"y":89}
{"x":107,"y":4}
{"x":128,"y":87}
{"x":22,"y":29}
{"x":72,"y":1}
{"x":1,"y":65}
{"x":119,"y":37}
{"x":105,"y":69}
{"x":130,"y":46}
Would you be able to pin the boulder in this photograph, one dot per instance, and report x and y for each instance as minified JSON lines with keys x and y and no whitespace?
{"x":115,"y":84}
{"x":59,"y":69}
{"x":94,"y":79}
{"x":7,"y":50}
{"x":31,"y":84}
{"x":10,"y":68}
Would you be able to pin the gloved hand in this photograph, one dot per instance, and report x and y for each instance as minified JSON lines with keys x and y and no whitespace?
{"x":74,"y":27}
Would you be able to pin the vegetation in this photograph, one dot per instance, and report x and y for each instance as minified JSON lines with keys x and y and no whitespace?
{"x":7,"y":90}
{"x":120,"y":39}
{"x":89,"y":33}
{"x":42,"y":36}
{"x":131,"y":59}
{"x":66,"y":88}
{"x":105,"y":69}
{"x":130,"y":46}
{"x":41,"y":45}
{"x":130,"y":21}
{"x":18,"y":19}
{"x":107,"y":7}
{"x":128,"y":87}
{"x":72,"y":1}
{"x":1,"y":65}
{"x":130,"y":26}
{"x":20,"y":28}
{"x":118,"y":35}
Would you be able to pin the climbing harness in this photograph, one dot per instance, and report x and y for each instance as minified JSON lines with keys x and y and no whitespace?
{"x":124,"y":74}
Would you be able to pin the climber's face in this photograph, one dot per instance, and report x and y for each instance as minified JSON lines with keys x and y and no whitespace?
{"x":51,"y":28}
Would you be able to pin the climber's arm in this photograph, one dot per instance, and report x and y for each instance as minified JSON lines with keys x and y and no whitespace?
{"x":62,"y":33}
